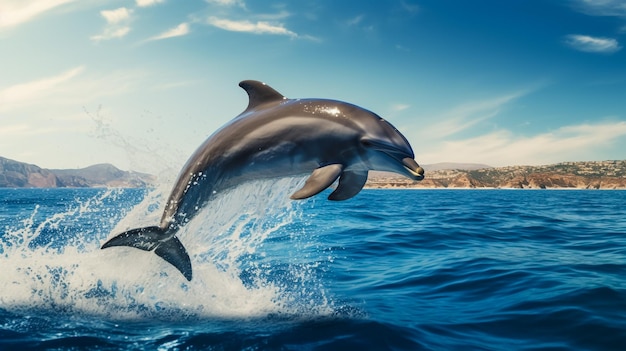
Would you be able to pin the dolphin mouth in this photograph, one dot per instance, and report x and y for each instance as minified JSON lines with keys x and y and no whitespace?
{"x":411,"y":169}
{"x":416,"y":172}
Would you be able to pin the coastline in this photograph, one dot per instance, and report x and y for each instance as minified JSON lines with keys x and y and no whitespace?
{"x":591,"y":175}
{"x":493,"y":188}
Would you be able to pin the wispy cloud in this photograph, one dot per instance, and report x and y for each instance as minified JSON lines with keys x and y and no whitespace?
{"x":615,"y":8}
{"x":67,"y":90}
{"x":259,"y":27}
{"x":399,"y":107}
{"x":359,"y":22}
{"x":117,"y":24}
{"x":273,"y":16}
{"x":24,"y":93}
{"x":239,"y":3}
{"x":178,"y":31}
{"x":146,"y":3}
{"x":27,"y":130}
{"x":13,"y":13}
{"x":174,"y":85}
{"x":467,"y":115}
{"x":9,"y":130}
{"x":111,"y":33}
{"x":354,"y":21}
{"x":502,"y":148}
{"x":409,"y":7}
{"x":588,"y":43}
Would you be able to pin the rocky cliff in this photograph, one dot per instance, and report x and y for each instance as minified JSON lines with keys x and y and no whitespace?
{"x":574,"y":175}
{"x":14,"y":174}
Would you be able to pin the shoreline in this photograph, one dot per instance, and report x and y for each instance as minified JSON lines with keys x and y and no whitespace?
{"x":491,"y":188}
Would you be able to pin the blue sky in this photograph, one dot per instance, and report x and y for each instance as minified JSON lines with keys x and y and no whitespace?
{"x":141,"y":84}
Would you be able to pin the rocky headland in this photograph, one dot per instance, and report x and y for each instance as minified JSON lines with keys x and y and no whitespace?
{"x":566,"y":175}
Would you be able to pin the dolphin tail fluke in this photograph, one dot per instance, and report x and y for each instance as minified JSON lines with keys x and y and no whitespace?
{"x":155,"y":238}
{"x":174,"y":252}
{"x":146,"y":239}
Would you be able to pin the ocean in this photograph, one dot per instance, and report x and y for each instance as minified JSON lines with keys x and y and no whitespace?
{"x":386,"y":270}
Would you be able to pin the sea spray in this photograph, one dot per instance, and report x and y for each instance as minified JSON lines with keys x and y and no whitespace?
{"x":47,"y":255}
{"x":230,"y":243}
{"x":257,"y":235}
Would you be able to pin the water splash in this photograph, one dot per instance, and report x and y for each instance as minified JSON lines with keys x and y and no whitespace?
{"x":241,"y":245}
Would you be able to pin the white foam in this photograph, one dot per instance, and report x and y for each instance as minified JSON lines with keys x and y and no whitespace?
{"x":126,"y":283}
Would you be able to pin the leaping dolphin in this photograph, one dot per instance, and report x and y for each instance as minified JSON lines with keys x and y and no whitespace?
{"x":277,"y":137}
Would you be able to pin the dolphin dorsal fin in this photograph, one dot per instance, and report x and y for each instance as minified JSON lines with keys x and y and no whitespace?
{"x":259,"y":93}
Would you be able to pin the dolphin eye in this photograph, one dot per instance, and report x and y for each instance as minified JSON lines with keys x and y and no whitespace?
{"x":366,"y":143}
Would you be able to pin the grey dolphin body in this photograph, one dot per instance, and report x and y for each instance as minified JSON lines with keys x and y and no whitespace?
{"x":277,"y":137}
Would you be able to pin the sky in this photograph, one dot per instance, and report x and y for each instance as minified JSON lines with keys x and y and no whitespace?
{"x":142,"y":83}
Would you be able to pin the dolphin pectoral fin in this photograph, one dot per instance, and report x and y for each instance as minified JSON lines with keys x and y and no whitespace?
{"x":174,"y":253}
{"x":350,"y":183}
{"x":155,"y":238}
{"x":145,"y":239}
{"x":320,"y":179}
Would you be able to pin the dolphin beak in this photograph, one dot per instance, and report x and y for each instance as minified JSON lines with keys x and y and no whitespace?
{"x":413,"y":168}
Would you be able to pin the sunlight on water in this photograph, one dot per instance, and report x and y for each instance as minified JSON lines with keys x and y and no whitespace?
{"x":126,"y":283}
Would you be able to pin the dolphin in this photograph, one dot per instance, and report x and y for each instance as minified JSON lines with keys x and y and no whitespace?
{"x":277,"y":137}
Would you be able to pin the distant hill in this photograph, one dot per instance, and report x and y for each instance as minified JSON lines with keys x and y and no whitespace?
{"x":430,"y":168}
{"x":450,"y":165}
{"x":575,"y":175}
{"x":15,"y":174}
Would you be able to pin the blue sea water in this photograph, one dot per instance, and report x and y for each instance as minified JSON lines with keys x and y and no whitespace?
{"x":386,"y":270}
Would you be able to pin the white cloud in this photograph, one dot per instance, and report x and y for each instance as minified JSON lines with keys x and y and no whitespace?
{"x":503,"y":148}
{"x":588,"y":43}
{"x":146,"y":3}
{"x":180,"y":30}
{"x":117,"y":24}
{"x":15,"y":12}
{"x":24,"y":93}
{"x":116,"y":16}
{"x":616,"y":8}
{"x":260,"y":27}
